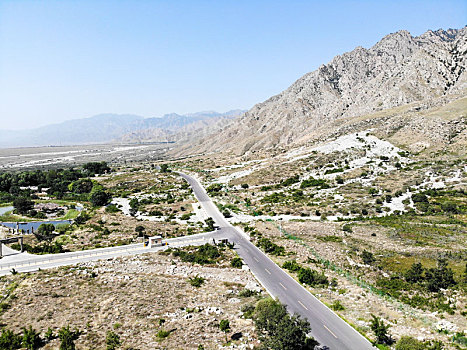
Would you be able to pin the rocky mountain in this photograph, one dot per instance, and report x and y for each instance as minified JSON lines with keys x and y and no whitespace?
{"x":401,"y":70}
{"x":112,"y":127}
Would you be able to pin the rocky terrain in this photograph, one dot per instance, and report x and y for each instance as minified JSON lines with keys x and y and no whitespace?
{"x":415,"y":73}
{"x":135,"y":298}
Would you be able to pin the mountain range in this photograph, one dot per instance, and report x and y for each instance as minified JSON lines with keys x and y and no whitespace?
{"x":395,"y":84}
{"x":105,"y":128}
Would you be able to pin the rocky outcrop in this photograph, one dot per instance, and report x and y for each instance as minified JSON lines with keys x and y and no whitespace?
{"x":398,"y":70}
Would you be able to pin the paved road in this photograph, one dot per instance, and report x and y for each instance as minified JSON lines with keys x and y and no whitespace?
{"x":328,"y":328}
{"x":24,"y":262}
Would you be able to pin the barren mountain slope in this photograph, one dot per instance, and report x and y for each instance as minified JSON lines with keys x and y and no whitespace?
{"x":427,"y":71}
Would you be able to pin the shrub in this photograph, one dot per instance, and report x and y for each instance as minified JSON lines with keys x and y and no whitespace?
{"x":236,"y":262}
{"x":291,"y":265}
{"x":67,"y":338}
{"x":270,"y":247}
{"x":196,"y":281}
{"x":111,"y":208}
{"x":312,"y":277}
{"x":162,"y":334}
{"x":337,"y":306}
{"x":368,"y":257}
{"x":10,"y":340}
{"x":419,"y":198}
{"x":347,"y":228}
{"x":31,"y":338}
{"x":224,"y":326}
{"x":380,"y":330}
{"x":112,"y":340}
{"x":246,"y":293}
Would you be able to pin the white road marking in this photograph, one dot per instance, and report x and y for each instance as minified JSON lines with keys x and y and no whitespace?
{"x":335,"y":336}
{"x":255,"y":259}
{"x":267,"y":271}
{"x":282,"y":286}
{"x":303,"y":305}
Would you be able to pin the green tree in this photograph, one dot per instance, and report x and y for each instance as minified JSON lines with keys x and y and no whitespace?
{"x":81,"y":186}
{"x":99,"y":198}
{"x":46,"y":229}
{"x":164,"y":168}
{"x":31,"y":338}
{"x":140,"y":230}
{"x":23,"y":204}
{"x":381,"y":331}
{"x":112,"y":340}
{"x":450,"y":207}
{"x":67,"y":338}
{"x":419,"y":198}
{"x":415,"y":273}
{"x":278,"y":330}
{"x":441,"y":277}
{"x":210,"y":224}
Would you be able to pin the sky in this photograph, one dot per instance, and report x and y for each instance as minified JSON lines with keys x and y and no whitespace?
{"x":62,"y":60}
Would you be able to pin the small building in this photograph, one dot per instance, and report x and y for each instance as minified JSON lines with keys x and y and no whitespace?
{"x":155,"y":241}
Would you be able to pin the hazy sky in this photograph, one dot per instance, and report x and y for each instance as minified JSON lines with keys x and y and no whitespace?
{"x":62,"y":60}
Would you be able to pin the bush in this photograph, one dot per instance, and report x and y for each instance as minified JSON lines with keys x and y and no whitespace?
{"x":31,"y":339}
{"x":337,"y":306}
{"x":380,"y":330}
{"x":236,"y":262}
{"x":270,"y":247}
{"x":347,"y":228}
{"x":291,"y":265}
{"x":162,"y":334}
{"x":196,"y":281}
{"x":368,"y":257}
{"x":111,"y":208}
{"x":67,"y":338}
{"x":224,"y":326}
{"x":10,"y":340}
{"x":112,"y":340}
{"x":450,"y":207}
{"x":312,"y":277}
{"x":410,"y":343}
{"x":205,"y":254}
{"x":419,"y":198}
{"x":214,"y":189}
{"x":246,"y":293}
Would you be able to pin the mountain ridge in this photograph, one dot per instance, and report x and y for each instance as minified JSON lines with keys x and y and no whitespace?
{"x":398,"y":70}
{"x":105,"y":127}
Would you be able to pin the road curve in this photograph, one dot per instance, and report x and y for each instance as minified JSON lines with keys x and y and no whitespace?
{"x":326,"y":327}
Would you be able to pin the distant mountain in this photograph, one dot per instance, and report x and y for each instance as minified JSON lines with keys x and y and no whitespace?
{"x":104,"y":128}
{"x":426,"y":71}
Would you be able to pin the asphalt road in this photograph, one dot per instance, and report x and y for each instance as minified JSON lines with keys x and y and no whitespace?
{"x":24,"y":262}
{"x":326,"y":327}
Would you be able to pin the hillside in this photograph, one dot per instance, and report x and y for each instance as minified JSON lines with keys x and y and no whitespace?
{"x":421,"y":72}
